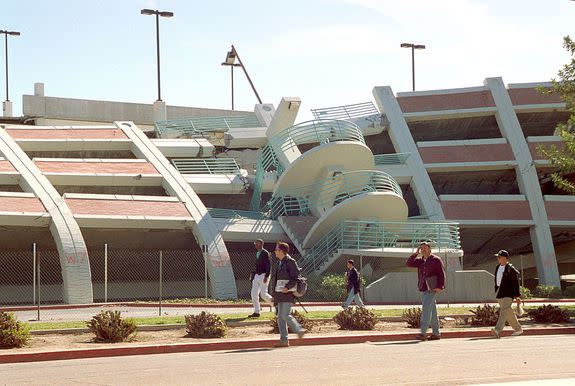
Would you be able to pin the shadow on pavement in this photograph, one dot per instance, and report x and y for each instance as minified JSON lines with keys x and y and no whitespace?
{"x":244,"y":350}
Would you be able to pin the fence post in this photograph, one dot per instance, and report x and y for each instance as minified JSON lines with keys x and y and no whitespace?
{"x":39,"y":284}
{"x":204,"y":254}
{"x":161,"y":262}
{"x":33,"y":273}
{"x":105,"y":273}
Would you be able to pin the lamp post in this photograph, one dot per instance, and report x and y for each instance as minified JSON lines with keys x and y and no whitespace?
{"x":158,"y":14}
{"x":230,"y":61}
{"x":7,"y":106}
{"x":413,"y":48}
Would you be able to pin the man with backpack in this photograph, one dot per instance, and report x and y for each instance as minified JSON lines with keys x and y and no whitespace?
{"x":285,"y":282}
{"x":353,"y":283}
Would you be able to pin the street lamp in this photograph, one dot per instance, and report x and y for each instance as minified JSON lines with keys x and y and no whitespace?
{"x":158,"y":14}
{"x":6,"y":105}
{"x":413,"y":48}
{"x":231,"y":56}
{"x":230,"y":61}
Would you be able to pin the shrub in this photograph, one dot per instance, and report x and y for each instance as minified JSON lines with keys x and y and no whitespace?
{"x":485,"y":315}
{"x":548,"y":313}
{"x":12,"y":332}
{"x":412,"y":316}
{"x":109,"y":327}
{"x":569,"y":292}
{"x":331,"y":288}
{"x":303,"y":320}
{"x":205,"y":325}
{"x":356,"y":318}
{"x":547,"y":291}
{"x":525,"y":293}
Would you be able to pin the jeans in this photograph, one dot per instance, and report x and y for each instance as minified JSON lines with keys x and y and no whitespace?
{"x":429,"y":313}
{"x":260,"y":288}
{"x":285,"y":318}
{"x":351,"y":296}
{"x":506,"y":314}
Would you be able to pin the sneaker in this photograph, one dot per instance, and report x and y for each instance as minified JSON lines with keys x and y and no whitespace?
{"x":254,"y":315}
{"x":434,"y":337}
{"x":495,"y":333}
{"x":281,"y":344}
{"x":421,"y":337}
{"x":517,"y":333}
{"x":301,"y":333}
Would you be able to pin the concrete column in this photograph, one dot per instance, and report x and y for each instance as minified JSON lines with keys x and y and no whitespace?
{"x":74,"y":262}
{"x":159,"y":111}
{"x":284,"y":117}
{"x":403,"y":143}
{"x":528,"y":182}
{"x":39,"y":89}
{"x":7,"y":108}
{"x":265,"y":113}
{"x":222,"y":281}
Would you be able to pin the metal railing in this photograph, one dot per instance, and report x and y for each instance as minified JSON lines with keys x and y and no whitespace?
{"x":267,"y":163}
{"x":358,"y":110}
{"x":197,"y":126}
{"x":237,"y":214}
{"x":329,"y":192}
{"x":206,"y":165}
{"x":391,"y":159}
{"x":318,"y":131}
{"x":377,"y":235}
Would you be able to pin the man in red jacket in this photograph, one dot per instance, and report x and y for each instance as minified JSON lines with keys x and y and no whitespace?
{"x":431,"y":281}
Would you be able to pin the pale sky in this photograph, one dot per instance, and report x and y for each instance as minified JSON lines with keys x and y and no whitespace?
{"x":326,"y":52}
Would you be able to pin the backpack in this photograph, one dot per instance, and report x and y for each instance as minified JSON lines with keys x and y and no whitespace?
{"x":300,"y":287}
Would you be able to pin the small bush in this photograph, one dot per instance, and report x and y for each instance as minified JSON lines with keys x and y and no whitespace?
{"x":303,"y":320}
{"x":329,"y":288}
{"x":569,"y":292}
{"x":547,"y":291}
{"x":548,"y":313}
{"x":412,"y":316}
{"x":109,"y":327}
{"x":525,"y":293}
{"x":356,"y":318}
{"x":205,"y":325}
{"x":12,"y":332}
{"x":485,"y":315}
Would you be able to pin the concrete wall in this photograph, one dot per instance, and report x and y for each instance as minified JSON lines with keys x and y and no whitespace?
{"x":461,"y":286}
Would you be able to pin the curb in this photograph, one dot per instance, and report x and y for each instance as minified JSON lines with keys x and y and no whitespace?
{"x":252,"y":344}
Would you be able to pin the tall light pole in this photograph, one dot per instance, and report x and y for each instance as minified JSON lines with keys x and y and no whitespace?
{"x":413,"y":48}
{"x":230,"y":61}
{"x":158,"y":14}
{"x":7,"y":107}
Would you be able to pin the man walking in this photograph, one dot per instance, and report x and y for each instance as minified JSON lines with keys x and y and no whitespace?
{"x":285,"y":279}
{"x":506,"y":289}
{"x":431,"y":281}
{"x":260,"y":278}
{"x":353,"y":282}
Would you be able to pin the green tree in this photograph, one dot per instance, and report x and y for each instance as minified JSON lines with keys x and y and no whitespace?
{"x":564,"y":158}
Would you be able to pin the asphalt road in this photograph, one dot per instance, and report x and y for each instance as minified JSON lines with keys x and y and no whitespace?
{"x":449,"y":361}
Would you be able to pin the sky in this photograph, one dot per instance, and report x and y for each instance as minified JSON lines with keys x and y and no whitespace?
{"x":326,"y":52}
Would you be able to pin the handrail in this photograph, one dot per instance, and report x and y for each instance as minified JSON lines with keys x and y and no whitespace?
{"x":206,"y":165}
{"x":391,"y":159}
{"x":317,"y":131}
{"x":358,"y":110}
{"x":298,"y":201}
{"x":377,"y":235}
{"x":237,"y":214}
{"x":267,"y":162}
{"x":199,"y":125}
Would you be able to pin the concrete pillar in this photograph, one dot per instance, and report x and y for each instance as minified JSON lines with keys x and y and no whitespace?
{"x":403,"y":143}
{"x":265,"y":113}
{"x":285,"y":149}
{"x":528,"y":182}
{"x":159,"y":112}
{"x":7,"y":108}
{"x":39,"y":89}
